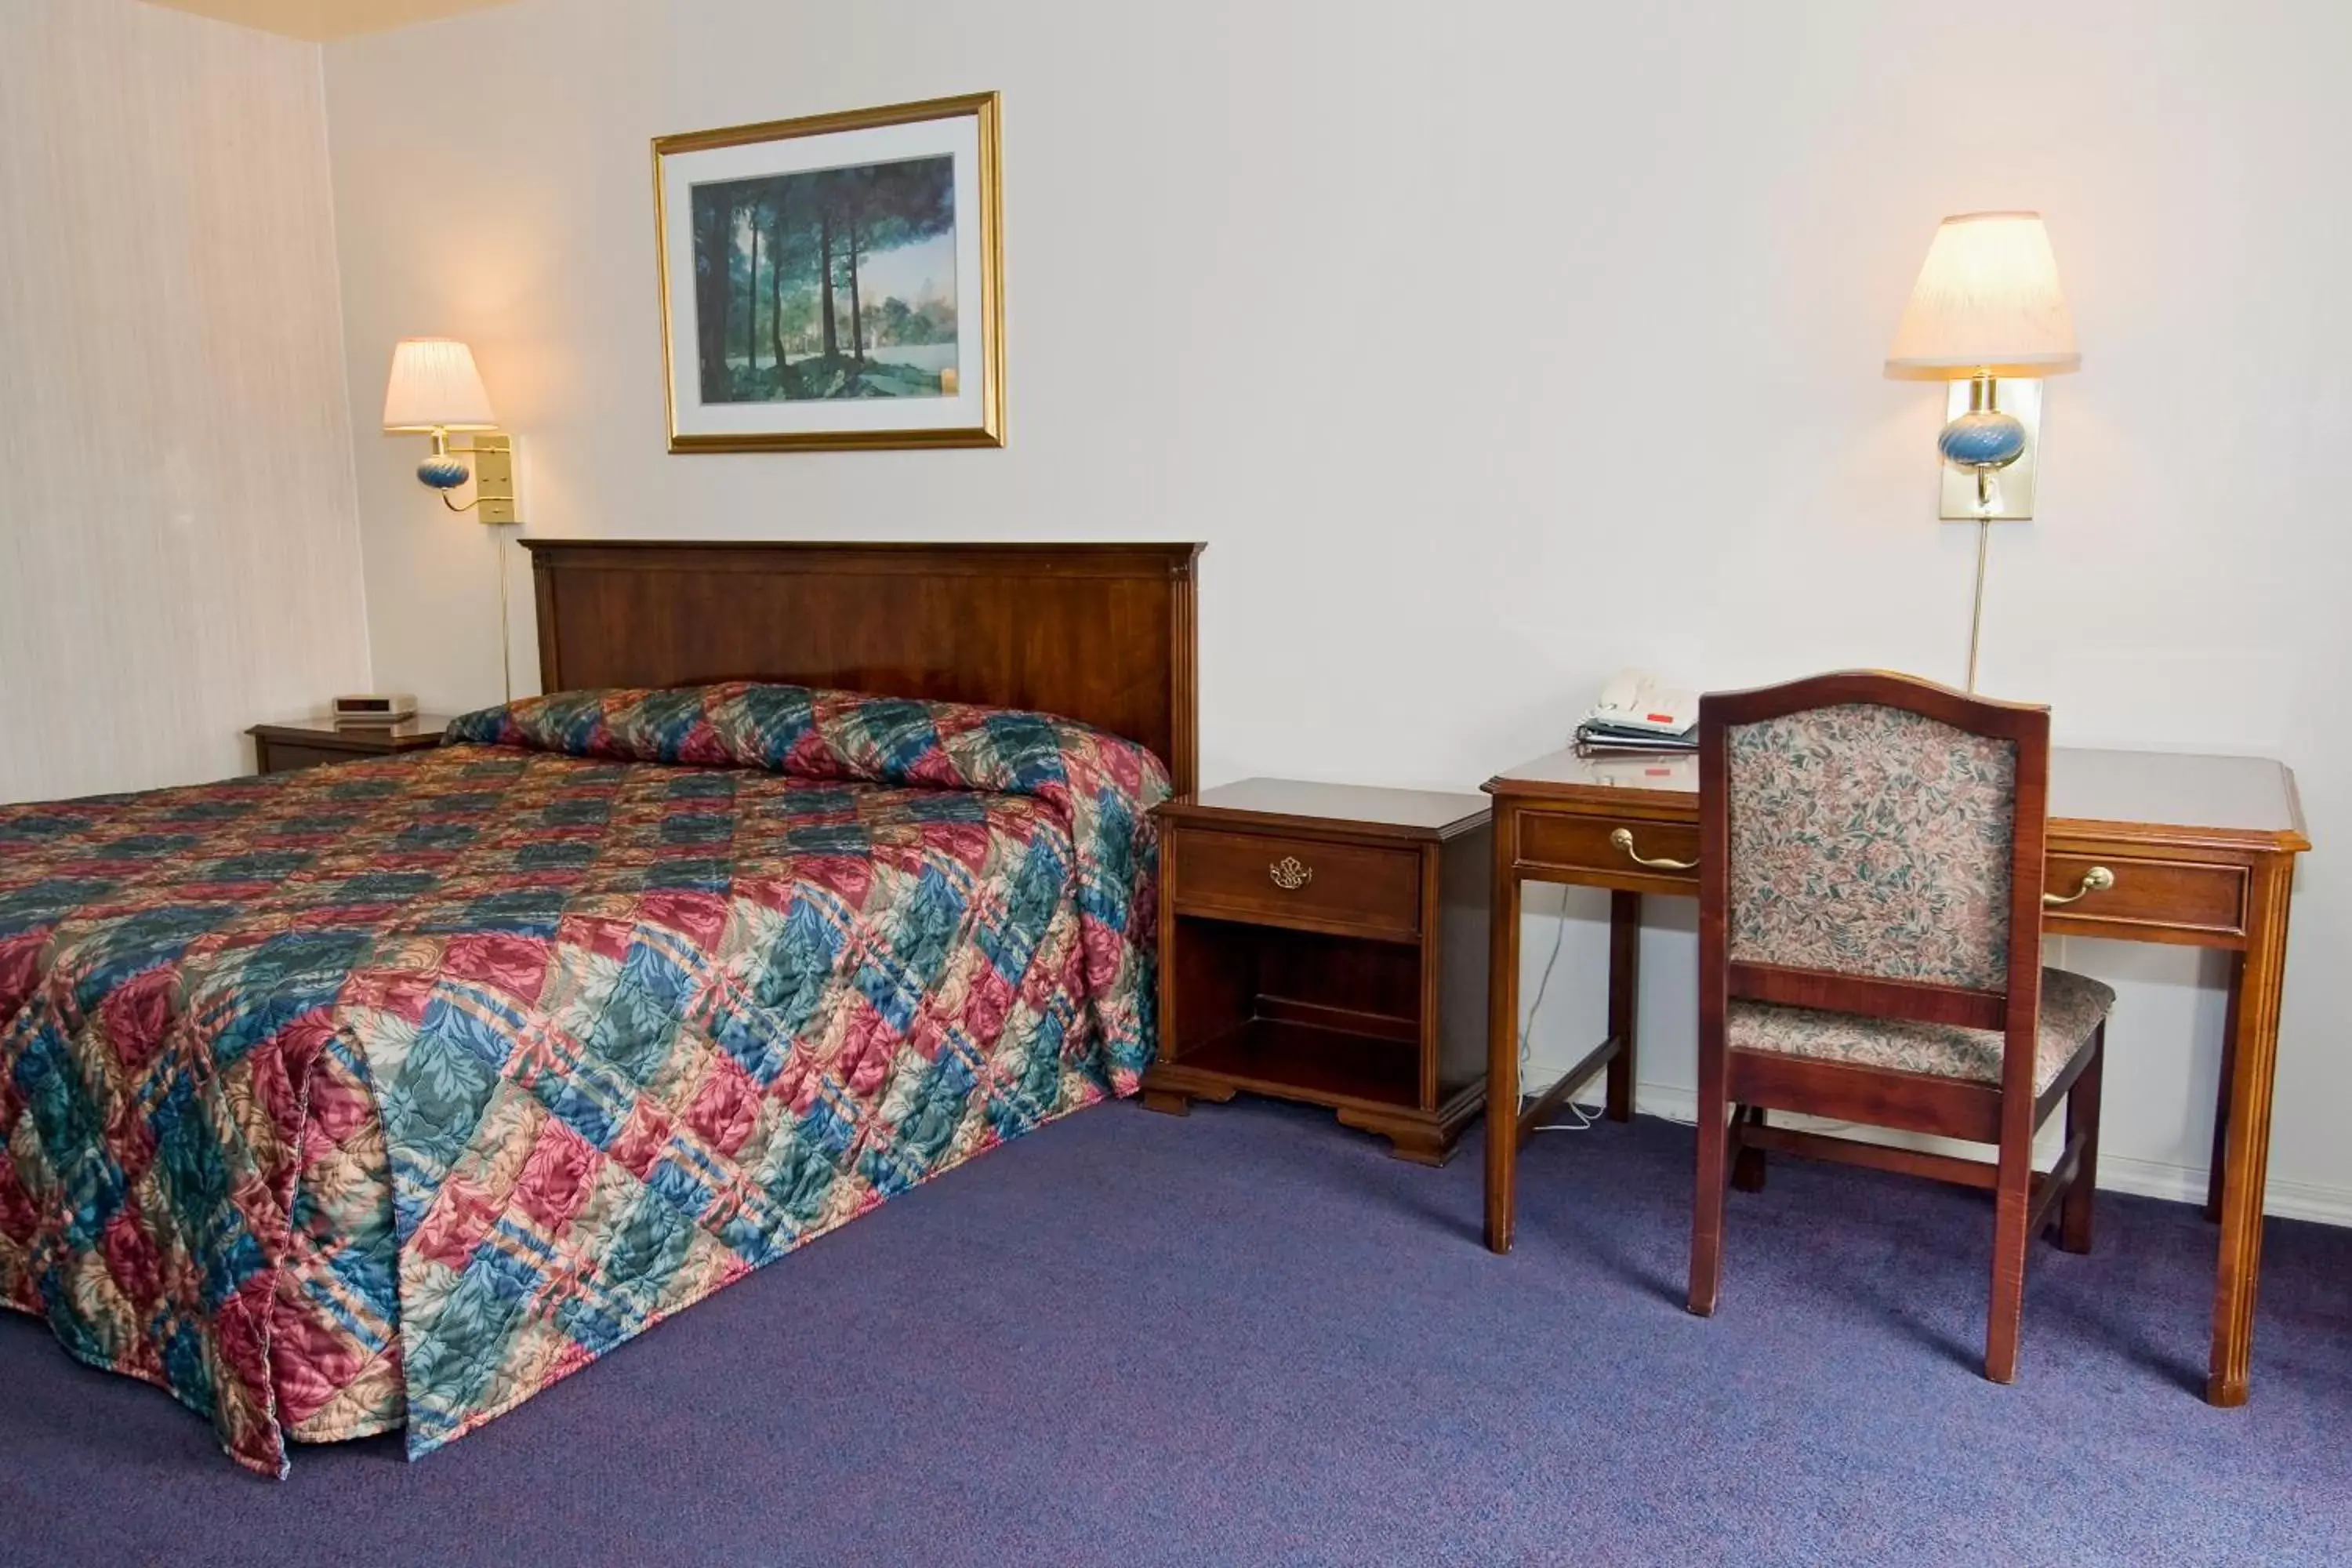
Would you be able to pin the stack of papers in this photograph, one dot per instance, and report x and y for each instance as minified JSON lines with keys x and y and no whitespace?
{"x":1598,"y":737}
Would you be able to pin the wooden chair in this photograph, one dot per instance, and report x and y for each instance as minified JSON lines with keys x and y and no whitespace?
{"x":1870,"y":951}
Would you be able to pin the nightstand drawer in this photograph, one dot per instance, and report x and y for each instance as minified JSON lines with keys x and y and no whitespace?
{"x":1309,"y":882}
{"x":1585,"y":844}
{"x":286,"y":756}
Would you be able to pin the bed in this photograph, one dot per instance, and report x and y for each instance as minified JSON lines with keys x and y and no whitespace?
{"x":384,"y":1095}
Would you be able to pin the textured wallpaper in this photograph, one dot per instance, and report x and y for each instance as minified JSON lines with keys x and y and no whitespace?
{"x":179,"y":543}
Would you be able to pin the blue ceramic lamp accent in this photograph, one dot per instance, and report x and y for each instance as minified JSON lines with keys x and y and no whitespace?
{"x":1982,"y":442}
{"x":1986,"y":439}
{"x":443,"y":473}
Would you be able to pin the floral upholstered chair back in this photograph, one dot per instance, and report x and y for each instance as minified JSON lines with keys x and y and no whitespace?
{"x":1866,"y":841}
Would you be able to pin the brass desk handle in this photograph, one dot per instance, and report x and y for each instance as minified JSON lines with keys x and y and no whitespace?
{"x":2097,"y":879}
{"x":1623,"y":840}
{"x":1289,"y":875}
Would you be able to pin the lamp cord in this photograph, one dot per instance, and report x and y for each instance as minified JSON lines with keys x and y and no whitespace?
{"x":1976,"y":615}
{"x":506,"y":640}
{"x":1527,"y":1032}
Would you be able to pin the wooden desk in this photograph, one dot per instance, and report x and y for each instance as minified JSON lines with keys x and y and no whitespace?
{"x":2202,"y":849}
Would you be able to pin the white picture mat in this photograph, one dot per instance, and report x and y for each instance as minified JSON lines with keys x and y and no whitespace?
{"x":680,"y":171}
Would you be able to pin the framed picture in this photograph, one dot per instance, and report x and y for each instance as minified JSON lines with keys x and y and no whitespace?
{"x":834,"y":282}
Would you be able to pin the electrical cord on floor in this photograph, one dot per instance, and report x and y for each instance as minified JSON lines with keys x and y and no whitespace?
{"x":1527,"y":1031}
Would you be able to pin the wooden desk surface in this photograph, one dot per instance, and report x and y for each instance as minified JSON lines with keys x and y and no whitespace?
{"x":2241,"y":801}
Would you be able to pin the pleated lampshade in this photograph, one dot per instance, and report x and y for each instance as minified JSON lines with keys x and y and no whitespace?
{"x":434,"y":387}
{"x":1987,"y":303}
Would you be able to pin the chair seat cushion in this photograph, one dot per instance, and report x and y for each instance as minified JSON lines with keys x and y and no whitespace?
{"x":2073,"y":1007}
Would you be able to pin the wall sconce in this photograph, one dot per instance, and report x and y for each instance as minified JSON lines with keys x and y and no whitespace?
{"x":434,"y":389}
{"x":1987,"y":315}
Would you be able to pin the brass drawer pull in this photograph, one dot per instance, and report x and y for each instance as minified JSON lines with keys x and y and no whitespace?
{"x":1623,"y":840}
{"x":1290,"y":875}
{"x":2097,"y":879}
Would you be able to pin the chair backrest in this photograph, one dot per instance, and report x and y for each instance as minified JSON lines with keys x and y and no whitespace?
{"x":1873,"y":843}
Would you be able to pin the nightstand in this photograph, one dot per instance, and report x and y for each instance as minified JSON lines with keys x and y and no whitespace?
{"x":307,"y":742}
{"x":1326,"y":943}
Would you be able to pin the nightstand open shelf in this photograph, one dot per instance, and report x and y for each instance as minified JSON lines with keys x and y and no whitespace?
{"x":1327,"y":945}
{"x":1304,"y":1061}
{"x":1326,"y":1018}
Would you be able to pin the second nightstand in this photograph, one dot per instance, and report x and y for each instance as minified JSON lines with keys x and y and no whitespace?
{"x":1327,"y":942}
{"x":307,"y":742}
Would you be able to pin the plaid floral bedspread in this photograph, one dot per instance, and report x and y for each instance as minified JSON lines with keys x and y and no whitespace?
{"x":395,"y":1091}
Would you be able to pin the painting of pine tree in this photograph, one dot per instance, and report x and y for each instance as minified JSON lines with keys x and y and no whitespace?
{"x":834,"y":282}
{"x":827,"y":283}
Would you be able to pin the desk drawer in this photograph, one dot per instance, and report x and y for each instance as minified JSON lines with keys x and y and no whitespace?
{"x":2175,"y":895}
{"x":1582,"y":844}
{"x":1311,"y":882}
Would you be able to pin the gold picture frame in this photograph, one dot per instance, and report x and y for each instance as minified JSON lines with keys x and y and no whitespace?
{"x":778,"y":407}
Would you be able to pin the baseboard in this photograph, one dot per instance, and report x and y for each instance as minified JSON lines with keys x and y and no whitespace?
{"x":2182,"y":1184}
{"x":2142,"y":1178}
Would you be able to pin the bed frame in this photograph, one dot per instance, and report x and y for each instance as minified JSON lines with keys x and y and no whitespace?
{"x":1102,"y":633}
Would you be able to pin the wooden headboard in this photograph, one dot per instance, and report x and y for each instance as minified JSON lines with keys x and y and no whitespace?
{"x":1103,"y":633}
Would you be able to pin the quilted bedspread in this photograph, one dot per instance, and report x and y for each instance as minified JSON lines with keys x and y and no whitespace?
{"x":389,"y":1093}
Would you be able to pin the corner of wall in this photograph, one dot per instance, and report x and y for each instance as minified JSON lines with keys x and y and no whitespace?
{"x":343,"y":355}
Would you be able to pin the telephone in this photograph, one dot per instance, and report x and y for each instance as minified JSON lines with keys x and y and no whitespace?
{"x":1635,"y":700}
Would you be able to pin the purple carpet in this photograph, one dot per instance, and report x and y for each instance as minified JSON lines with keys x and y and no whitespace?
{"x":1250,"y":1337}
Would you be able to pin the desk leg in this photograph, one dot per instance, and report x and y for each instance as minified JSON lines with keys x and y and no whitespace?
{"x":1624,"y":990}
{"x":2253,"y":1057}
{"x":1503,"y":1033}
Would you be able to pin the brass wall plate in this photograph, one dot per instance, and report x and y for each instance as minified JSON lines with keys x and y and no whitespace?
{"x":494,"y":477}
{"x":2022,"y":399}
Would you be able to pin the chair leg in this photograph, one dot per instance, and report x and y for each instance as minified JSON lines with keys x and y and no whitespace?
{"x":2005,"y":1319}
{"x":1747,"y":1163}
{"x":1707,"y":1200}
{"x":2082,"y":1121}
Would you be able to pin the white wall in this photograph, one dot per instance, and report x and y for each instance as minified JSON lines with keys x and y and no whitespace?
{"x":179,"y":544}
{"x":1491,"y":347}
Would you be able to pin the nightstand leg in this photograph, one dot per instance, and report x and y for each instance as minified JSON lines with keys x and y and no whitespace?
{"x":1625,"y":999}
{"x":1419,"y":1149}
{"x":1166,"y":1102}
